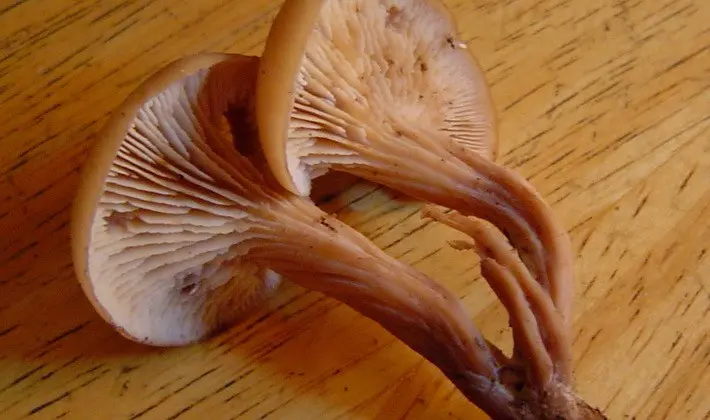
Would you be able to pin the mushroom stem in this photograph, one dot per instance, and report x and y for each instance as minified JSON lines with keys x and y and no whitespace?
{"x":539,"y":377}
{"x":459,"y":179}
{"x":530,"y":307}
{"x":496,"y":194}
{"x":432,"y":167}
{"x":321,"y":253}
{"x":309,"y":248}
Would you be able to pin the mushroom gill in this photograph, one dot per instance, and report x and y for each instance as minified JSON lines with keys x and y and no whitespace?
{"x":154,"y":221}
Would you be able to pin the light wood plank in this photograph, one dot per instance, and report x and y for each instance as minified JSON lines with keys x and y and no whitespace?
{"x":604,"y":106}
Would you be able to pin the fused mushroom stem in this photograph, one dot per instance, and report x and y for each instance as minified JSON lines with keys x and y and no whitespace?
{"x":538,"y":376}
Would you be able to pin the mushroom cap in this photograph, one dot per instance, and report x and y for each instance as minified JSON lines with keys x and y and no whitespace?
{"x":147,"y":262}
{"x":400,"y":59}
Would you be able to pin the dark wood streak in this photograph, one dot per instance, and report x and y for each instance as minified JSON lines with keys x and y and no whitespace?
{"x":600,"y":94}
{"x":64,"y":395}
{"x":44,"y":377}
{"x":111,"y":11}
{"x":64,"y":22}
{"x":669,"y":252}
{"x":12,"y":6}
{"x":90,"y":371}
{"x":333,"y":373}
{"x":561,"y":103}
{"x":607,"y":247}
{"x":643,"y":346}
{"x":65,"y":60}
{"x":426,"y":257}
{"x":662,"y":381}
{"x":689,"y":8}
{"x":8,"y":330}
{"x":121,"y":30}
{"x":165,"y":385}
{"x":635,"y":315}
{"x":188,"y":407}
{"x":358,"y":199}
{"x":18,"y":164}
{"x":585,"y":241}
{"x":407,"y":235}
{"x":22,"y":251}
{"x":558,"y":159}
{"x":257,"y":323}
{"x":589,"y":344}
{"x":26,"y":154}
{"x":613,"y":398}
{"x":700,"y":292}
{"x":66,"y":334}
{"x":246,"y":410}
{"x":687,"y":179}
{"x":52,"y":216}
{"x":382,"y":209}
{"x":162,"y":400}
{"x":530,"y":141}
{"x":63,"y":366}
{"x":587,"y":15}
{"x":386,"y":229}
{"x":664,"y":7}
{"x":559,"y":4}
{"x":22,"y":377}
{"x":622,"y":68}
{"x":682,"y":61}
{"x":239,"y":378}
{"x":278,"y":342}
{"x":417,"y":398}
{"x":567,"y":63}
{"x":580,"y":224}
{"x":675,"y":342}
{"x":563,"y":50}
{"x":630,"y":136}
{"x":640,"y":207}
{"x":526,"y":95}
{"x":405,"y":253}
{"x":589,"y":285}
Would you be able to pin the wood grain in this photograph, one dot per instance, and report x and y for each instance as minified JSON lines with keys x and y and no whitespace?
{"x":604,"y":106}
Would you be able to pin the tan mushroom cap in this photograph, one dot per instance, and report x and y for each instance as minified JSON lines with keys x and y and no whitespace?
{"x":397,"y":65}
{"x":152,"y":254}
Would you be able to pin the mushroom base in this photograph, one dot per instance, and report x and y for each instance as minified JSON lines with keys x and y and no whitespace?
{"x":555,"y":402}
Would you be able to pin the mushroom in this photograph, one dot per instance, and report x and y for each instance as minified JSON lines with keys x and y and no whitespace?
{"x":177,"y":229}
{"x":385,"y":90}
{"x":149,"y":238}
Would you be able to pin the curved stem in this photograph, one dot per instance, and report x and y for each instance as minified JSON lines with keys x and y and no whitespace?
{"x":466,"y":182}
{"x":425,"y":316}
{"x":525,"y":329}
{"x":492,"y":245}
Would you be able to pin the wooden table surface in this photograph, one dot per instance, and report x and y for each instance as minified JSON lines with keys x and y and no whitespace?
{"x":604,"y":105}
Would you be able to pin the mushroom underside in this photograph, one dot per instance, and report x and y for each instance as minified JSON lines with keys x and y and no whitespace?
{"x":161,"y":265}
{"x":384,"y":90}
